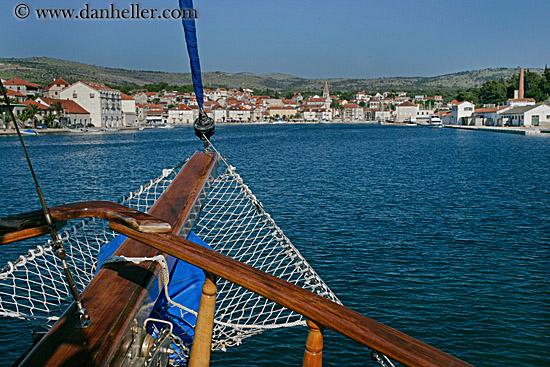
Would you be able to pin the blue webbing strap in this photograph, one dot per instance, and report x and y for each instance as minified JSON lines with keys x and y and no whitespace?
{"x":192,"y":48}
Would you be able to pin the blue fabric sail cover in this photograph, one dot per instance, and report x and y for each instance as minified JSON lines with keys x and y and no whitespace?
{"x":185,"y":288}
{"x":192,"y":48}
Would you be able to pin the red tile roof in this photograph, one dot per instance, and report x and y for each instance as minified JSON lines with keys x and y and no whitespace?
{"x":184,"y":107}
{"x":98,"y":86}
{"x":18,"y":81}
{"x":407,"y":104}
{"x":34,"y":103}
{"x":14,"y":93}
{"x":125,"y":97}
{"x":57,"y":81}
{"x":351,"y":105}
{"x":489,"y":109}
{"x":68,"y":105}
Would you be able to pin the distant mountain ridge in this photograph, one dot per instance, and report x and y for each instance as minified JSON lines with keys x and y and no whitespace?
{"x":44,"y":70}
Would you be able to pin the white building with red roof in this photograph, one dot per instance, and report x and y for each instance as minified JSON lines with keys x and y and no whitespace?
{"x":285,"y":112}
{"x":237,"y":113}
{"x":103,"y":103}
{"x":128,"y":106}
{"x":53,"y":90}
{"x":406,"y":112}
{"x":354,"y":112}
{"x":19,"y":97}
{"x":72,"y":112}
{"x":181,"y":114}
{"x":23,"y":87}
{"x":461,"y":111}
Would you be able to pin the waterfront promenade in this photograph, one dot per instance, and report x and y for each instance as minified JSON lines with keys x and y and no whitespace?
{"x":519,"y":130}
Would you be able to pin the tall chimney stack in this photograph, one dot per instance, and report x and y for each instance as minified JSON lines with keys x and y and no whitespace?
{"x":521,"y":84}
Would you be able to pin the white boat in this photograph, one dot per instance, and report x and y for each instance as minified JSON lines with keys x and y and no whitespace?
{"x":29,"y":132}
{"x":435,"y":122}
{"x":166,"y":126}
{"x":110,"y":129}
{"x":92,"y":130}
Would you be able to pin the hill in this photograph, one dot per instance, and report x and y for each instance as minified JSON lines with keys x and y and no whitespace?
{"x":43,"y":70}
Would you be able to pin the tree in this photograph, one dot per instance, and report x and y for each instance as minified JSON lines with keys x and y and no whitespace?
{"x":30,"y":112}
{"x":362,"y":104}
{"x":546,"y":81}
{"x":461,"y":95}
{"x":58,"y":108}
{"x":493,"y":92}
{"x":48,"y":119}
{"x":534,"y":84}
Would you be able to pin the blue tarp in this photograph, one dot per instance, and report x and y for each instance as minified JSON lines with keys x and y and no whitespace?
{"x":185,"y":288}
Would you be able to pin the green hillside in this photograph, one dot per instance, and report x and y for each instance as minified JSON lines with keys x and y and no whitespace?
{"x":43,"y":70}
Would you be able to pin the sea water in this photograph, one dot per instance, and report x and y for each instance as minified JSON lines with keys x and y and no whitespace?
{"x":441,"y":234}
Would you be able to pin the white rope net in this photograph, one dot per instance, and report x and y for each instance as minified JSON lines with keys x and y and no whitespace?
{"x":232,"y":221}
{"x":33,"y":287}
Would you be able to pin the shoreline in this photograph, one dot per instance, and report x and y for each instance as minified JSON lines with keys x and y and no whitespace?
{"x":507,"y":130}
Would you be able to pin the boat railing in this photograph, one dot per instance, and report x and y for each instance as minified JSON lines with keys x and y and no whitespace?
{"x":118,"y":297}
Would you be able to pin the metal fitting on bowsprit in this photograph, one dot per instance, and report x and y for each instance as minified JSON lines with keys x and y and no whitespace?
{"x":204,"y":126}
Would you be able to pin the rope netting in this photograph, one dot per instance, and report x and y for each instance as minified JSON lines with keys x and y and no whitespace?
{"x":33,"y":287}
{"x":232,"y":221}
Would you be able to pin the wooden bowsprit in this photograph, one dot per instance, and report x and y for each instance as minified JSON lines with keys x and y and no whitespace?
{"x":119,"y":297}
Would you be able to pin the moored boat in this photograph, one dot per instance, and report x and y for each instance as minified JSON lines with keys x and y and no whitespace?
{"x":435,"y":122}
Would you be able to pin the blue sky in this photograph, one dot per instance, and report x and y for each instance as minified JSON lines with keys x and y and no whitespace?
{"x":307,"y":38}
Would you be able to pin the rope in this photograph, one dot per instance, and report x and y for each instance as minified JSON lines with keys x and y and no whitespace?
{"x":164,"y":276}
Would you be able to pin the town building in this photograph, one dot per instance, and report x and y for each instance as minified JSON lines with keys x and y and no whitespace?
{"x":103,"y":103}
{"x":406,"y":112}
{"x":24,"y":87}
{"x":532,"y":115}
{"x":237,"y":113}
{"x":19,"y":97}
{"x":284,"y":112}
{"x":461,"y":110}
{"x":53,"y":90}
{"x":181,"y":114}
{"x":129,"y":113}
{"x":72,"y":113}
{"x":353,"y":112}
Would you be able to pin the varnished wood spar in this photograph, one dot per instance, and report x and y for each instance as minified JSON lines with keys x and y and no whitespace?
{"x":116,"y":296}
{"x":313,"y":356}
{"x":394,"y":344}
{"x":28,"y":225}
{"x":202,"y":339}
